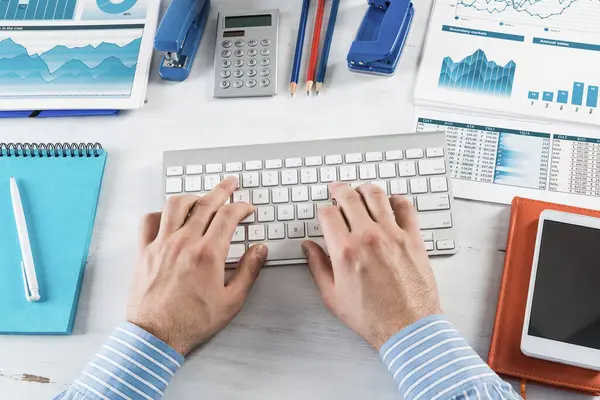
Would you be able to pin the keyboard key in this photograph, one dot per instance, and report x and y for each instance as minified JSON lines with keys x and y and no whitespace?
{"x":233,"y":167}
{"x":432,"y":167}
{"x":285,"y":213}
{"x":398,"y":186}
{"x":313,"y":161}
{"x":280,"y":195}
{"x":305,"y":211}
{"x":387,"y":170}
{"x":382,"y":185}
{"x":210,"y":181}
{"x":293,"y":162}
{"x":254,"y":165}
{"x":319,"y":192}
{"x":273,"y":164}
{"x":427,"y":236}
{"x":438,"y":184}
{"x":348,"y":173}
{"x":433,"y":202}
{"x":266,"y":214}
{"x":407,"y":168}
{"x":270,"y":178}
{"x":239,"y":235}
{"x":296,"y":230}
{"x":328,"y":174}
{"x":193,"y":169}
{"x":433,"y":152}
{"x":256,"y":232}
{"x":237,"y":176}
{"x":434,"y":220}
{"x":250,"y":219}
{"x":323,"y":204}
{"x":445,"y":245}
{"x":174,"y":171}
{"x":414,"y":153}
{"x":276,"y":231}
{"x":393,"y":155}
{"x":367,"y":172}
{"x":300,"y":193}
{"x":214,"y":168}
{"x":333,"y":160}
{"x":418,"y":185}
{"x":374,"y":156}
{"x":354,"y":158}
{"x":308,"y":175}
{"x":429,"y":246}
{"x":314,"y":229}
{"x":250,"y":180}
{"x":289,"y":177}
{"x":260,"y":196}
{"x":289,"y":249}
{"x":193,"y":184}
{"x":241,"y":196}
{"x":173,"y":185}
{"x":236,"y":251}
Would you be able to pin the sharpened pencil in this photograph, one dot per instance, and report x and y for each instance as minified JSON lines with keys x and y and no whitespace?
{"x":299,"y":47}
{"x":335,"y":5}
{"x":314,"y":51}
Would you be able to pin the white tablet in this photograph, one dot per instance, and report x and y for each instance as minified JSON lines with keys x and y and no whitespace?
{"x":562,"y":319}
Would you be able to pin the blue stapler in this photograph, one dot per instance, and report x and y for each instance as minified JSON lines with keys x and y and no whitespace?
{"x":381,"y":37}
{"x":179,"y":35}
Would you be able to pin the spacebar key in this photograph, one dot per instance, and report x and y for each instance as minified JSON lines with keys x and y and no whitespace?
{"x":435,"y":220}
{"x":289,"y":249}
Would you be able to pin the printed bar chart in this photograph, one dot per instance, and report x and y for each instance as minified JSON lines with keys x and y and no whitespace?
{"x":534,"y":95}
{"x":592,"y":96}
{"x":548,"y":96}
{"x":11,"y":10}
{"x":577,"y":99}
{"x":563,"y":96}
{"x":591,"y":99}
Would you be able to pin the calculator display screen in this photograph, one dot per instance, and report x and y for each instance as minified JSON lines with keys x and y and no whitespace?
{"x":234,"y":33}
{"x":248,"y":21}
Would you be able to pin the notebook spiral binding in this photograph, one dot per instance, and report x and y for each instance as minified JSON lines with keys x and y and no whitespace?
{"x":50,"y":149}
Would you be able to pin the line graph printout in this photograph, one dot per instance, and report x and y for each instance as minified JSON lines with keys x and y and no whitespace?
{"x":528,"y":57}
{"x":495,"y":160}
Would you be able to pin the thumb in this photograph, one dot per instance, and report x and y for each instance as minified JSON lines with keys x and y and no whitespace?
{"x":248,"y":270}
{"x":321,"y":270}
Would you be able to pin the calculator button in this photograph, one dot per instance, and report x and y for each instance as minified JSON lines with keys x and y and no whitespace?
{"x":265,"y":42}
{"x":251,"y":83}
{"x":265,"y":82}
{"x":252,"y":52}
{"x":225,"y":74}
{"x":226,"y":43}
{"x":265,"y":61}
{"x":265,"y":52}
{"x":239,"y":63}
{"x":238,"y":73}
{"x":226,"y":54}
{"x":238,"y":84}
{"x":252,"y":62}
{"x":239,"y":43}
{"x":252,"y":43}
{"x":239,"y":53}
{"x":251,"y":73}
{"x":265,"y":72}
{"x":226,"y":64}
{"x":225,"y":84}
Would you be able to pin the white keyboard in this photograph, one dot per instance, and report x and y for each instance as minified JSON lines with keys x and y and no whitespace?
{"x":287,"y":182}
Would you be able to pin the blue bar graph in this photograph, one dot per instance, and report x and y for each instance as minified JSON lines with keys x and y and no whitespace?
{"x":592,"y":96}
{"x":534,"y":95}
{"x":548,"y":96}
{"x":577,"y":99}
{"x":563,"y":96}
{"x":14,"y":10}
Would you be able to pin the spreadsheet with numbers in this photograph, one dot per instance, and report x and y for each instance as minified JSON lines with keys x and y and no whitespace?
{"x":495,"y":159}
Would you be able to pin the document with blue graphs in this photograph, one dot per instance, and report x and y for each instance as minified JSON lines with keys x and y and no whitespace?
{"x":75,"y":54}
{"x":538,"y":58}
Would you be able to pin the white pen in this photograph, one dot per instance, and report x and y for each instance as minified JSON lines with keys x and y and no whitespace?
{"x":32,"y":290}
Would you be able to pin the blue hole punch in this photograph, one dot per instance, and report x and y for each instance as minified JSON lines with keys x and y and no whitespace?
{"x":381,"y":37}
{"x":179,"y":36}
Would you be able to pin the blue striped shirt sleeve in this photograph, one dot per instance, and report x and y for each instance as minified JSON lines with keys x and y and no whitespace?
{"x":131,"y":365}
{"x":430,"y":360}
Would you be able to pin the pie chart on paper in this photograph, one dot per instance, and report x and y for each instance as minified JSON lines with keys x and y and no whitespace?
{"x":115,"y":6}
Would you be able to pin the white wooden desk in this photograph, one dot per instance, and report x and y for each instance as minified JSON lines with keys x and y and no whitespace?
{"x":284,"y":345}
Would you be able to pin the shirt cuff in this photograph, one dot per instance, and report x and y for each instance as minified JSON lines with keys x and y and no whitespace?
{"x":431,"y":360}
{"x":131,"y":364}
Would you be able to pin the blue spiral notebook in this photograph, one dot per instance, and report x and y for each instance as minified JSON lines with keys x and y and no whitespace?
{"x":59,"y":185}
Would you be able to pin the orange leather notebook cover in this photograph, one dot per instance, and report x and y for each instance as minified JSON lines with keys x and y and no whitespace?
{"x":505,"y":355}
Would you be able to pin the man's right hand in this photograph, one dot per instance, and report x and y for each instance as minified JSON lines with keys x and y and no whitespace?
{"x":378,"y":280}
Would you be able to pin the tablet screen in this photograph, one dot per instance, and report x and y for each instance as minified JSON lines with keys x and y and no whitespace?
{"x":566,"y":296}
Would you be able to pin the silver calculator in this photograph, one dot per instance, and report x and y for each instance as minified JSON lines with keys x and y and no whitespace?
{"x":246,"y":54}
